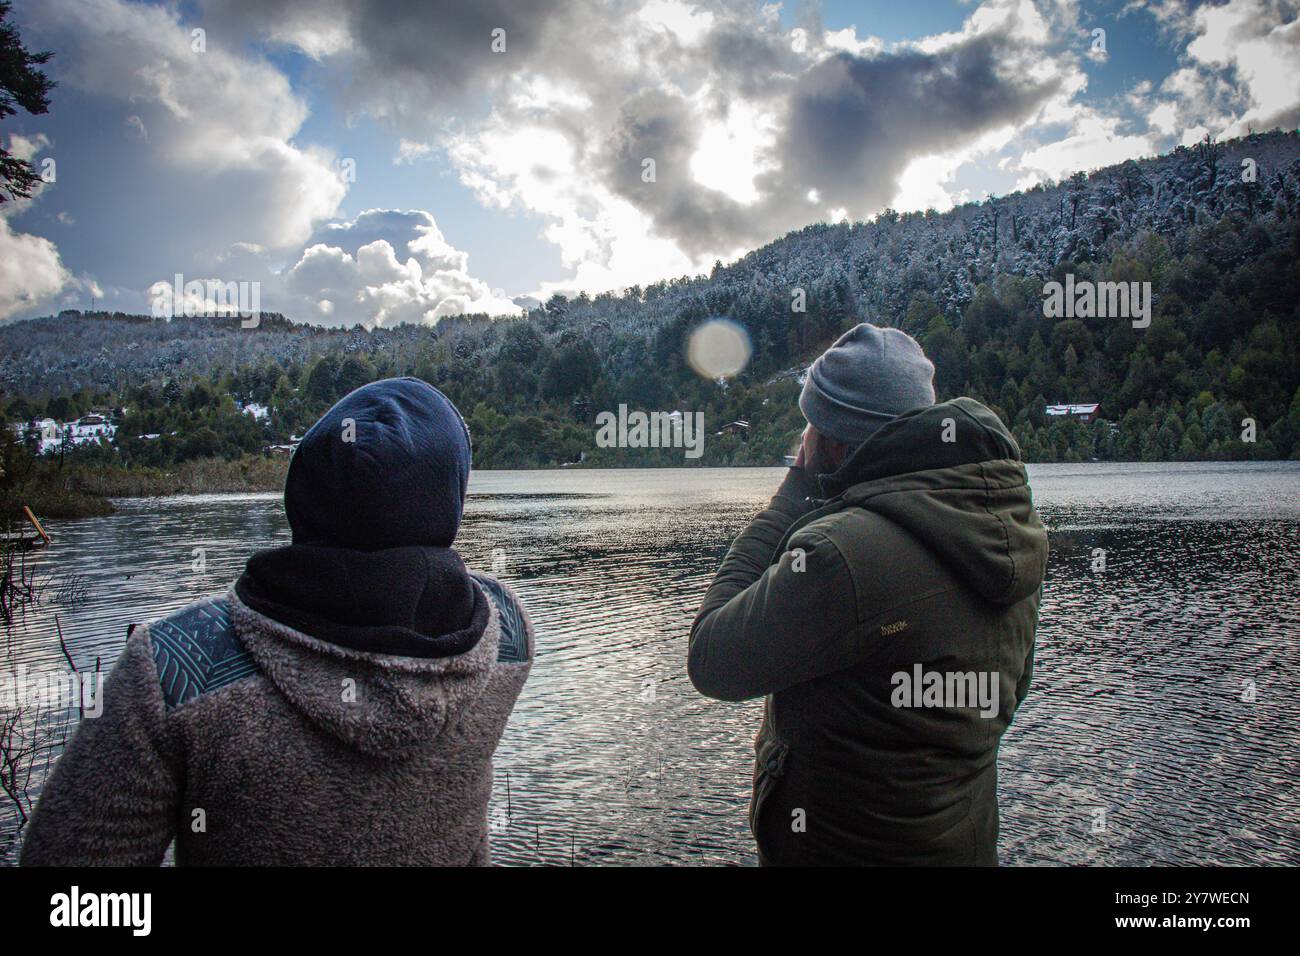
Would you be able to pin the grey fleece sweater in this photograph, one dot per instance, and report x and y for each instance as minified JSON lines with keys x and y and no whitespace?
{"x":273,"y":747}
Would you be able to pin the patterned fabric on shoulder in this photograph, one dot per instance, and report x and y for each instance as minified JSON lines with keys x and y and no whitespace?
{"x":196,"y":651}
{"x":513,"y":646}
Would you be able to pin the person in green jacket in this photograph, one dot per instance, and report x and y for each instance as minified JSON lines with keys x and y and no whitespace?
{"x":885,"y":604}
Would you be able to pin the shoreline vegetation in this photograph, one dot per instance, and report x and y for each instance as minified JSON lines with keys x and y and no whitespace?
{"x":87,"y":492}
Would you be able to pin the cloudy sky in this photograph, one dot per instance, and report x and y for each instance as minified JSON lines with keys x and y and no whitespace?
{"x":391,"y":161}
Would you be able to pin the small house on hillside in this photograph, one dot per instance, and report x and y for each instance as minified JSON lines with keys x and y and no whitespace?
{"x":89,"y":428}
{"x":1085,"y":413}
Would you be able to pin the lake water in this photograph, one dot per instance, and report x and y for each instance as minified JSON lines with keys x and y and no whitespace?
{"x":1161,"y":727}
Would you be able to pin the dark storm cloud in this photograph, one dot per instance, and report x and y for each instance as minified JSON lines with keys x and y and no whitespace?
{"x":847,"y":125}
{"x":854,"y":124}
{"x":403,"y":58}
{"x":445,"y":46}
{"x":662,"y":127}
{"x":755,"y":62}
{"x":851,"y":126}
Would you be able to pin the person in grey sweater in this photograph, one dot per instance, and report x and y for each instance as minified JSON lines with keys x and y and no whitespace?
{"x":340,"y":704}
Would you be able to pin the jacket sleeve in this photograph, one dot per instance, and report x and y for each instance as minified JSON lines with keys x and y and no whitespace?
{"x":113,"y":796}
{"x":764,"y":627}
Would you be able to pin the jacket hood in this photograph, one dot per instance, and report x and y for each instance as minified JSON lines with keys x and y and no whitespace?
{"x":387,"y":466}
{"x":951,"y":475}
{"x":380,"y":648}
{"x":383,"y":705}
{"x":412,"y":601}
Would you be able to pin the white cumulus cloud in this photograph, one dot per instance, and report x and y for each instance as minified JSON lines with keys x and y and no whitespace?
{"x":31,"y":273}
{"x":383,"y":268}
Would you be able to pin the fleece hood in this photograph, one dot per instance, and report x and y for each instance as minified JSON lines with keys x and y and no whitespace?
{"x":387,"y":466}
{"x":951,"y":475}
{"x":379,"y":704}
{"x":383,"y":649}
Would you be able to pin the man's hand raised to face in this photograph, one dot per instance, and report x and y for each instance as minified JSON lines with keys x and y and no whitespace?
{"x":819,"y":454}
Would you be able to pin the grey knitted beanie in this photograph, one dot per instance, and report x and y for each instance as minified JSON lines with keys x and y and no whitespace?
{"x":866,"y":378}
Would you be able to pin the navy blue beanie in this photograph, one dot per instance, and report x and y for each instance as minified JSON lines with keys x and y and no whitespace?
{"x":386,"y":467}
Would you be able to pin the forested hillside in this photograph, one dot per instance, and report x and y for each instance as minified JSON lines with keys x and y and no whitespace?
{"x":1214,"y":228}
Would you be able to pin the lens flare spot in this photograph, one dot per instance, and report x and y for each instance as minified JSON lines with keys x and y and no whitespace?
{"x":719,"y":348}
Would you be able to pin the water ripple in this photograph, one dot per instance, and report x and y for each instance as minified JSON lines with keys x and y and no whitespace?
{"x":1160,"y":727}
